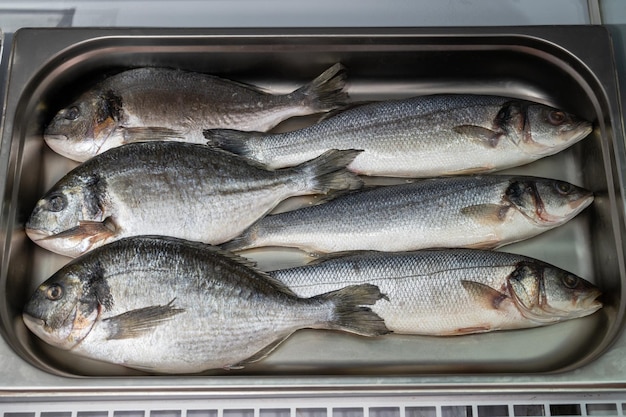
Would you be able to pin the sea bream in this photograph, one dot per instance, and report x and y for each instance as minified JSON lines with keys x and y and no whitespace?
{"x":170,"y":306}
{"x":174,"y":189}
{"x":168,"y":104}
{"x":466,"y":211}
{"x":451,"y":292}
{"x":424,"y":136}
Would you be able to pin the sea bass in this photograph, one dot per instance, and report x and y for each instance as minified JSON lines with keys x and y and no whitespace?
{"x":425,"y":136}
{"x":170,"y":306}
{"x":167,"y":104}
{"x":174,"y":189}
{"x":453,"y":291}
{"x":466,"y":211}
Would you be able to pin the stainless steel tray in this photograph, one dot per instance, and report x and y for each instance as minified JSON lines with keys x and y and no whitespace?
{"x":567,"y":67}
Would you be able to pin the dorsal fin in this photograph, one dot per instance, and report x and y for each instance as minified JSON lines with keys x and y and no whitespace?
{"x":325,"y":257}
{"x":238,"y":259}
{"x":349,"y":106}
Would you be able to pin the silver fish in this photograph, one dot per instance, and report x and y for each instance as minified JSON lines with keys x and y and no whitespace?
{"x":171,"y":306}
{"x":166,"y":104}
{"x":425,"y":136}
{"x":453,"y":291}
{"x":470,"y":211}
{"x":174,"y":189}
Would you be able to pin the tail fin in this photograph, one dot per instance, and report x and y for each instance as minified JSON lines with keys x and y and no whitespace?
{"x":326,"y":92}
{"x":328,"y":172}
{"x":234,"y":141}
{"x":350,"y":314}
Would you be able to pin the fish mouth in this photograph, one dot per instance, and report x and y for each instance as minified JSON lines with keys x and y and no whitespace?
{"x":585,"y":305}
{"x":60,"y":144}
{"x":566,"y":136}
{"x":582,"y":202}
{"x":578,"y":131}
{"x":575,"y":207}
{"x":55,"y":243}
{"x":40,"y":328}
{"x":592,"y":301}
{"x":37,"y":235}
{"x":54,"y":137}
{"x":581,"y":306}
{"x":33,"y":323}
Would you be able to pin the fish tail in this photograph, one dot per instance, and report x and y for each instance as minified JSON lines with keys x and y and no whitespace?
{"x":234,"y":141}
{"x":328,"y":172}
{"x":350,"y":313}
{"x":326,"y":92}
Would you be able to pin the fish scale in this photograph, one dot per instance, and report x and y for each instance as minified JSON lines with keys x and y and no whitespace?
{"x":425,"y":294}
{"x":174,"y":189}
{"x":470,"y":211}
{"x":422,"y":136}
{"x":153,"y":103}
{"x":160,"y":320}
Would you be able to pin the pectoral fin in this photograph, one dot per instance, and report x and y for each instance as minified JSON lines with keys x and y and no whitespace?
{"x":484,"y":295}
{"x":487,"y":214}
{"x":89,"y":230}
{"x":88,"y":235}
{"x":482,"y":135}
{"x":135,"y":323}
{"x":143,"y":134}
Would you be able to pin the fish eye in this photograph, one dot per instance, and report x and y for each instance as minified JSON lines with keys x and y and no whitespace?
{"x":556,"y":117}
{"x":57,"y":203}
{"x":570,"y":281}
{"x":563,"y":188}
{"x":72,"y":113}
{"x":54,"y":292}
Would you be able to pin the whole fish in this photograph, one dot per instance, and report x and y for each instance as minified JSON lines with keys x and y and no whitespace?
{"x":425,"y":136}
{"x":174,"y":189}
{"x":166,"y":104}
{"x":453,"y":291}
{"x":170,"y":306}
{"x":470,"y":211}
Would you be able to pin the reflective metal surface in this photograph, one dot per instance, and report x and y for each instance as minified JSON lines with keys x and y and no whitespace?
{"x":566,"y":67}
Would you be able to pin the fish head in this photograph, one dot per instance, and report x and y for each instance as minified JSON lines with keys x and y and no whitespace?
{"x":81,"y":130}
{"x":61,"y":311}
{"x":547,"y":294}
{"x":57,"y":222}
{"x":546,"y":130}
{"x":547,"y":202}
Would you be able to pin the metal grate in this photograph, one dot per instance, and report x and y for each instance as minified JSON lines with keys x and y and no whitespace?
{"x":392,"y":406}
